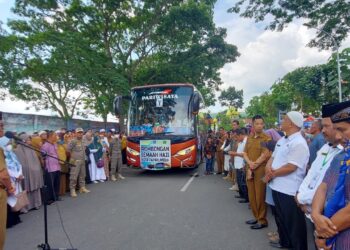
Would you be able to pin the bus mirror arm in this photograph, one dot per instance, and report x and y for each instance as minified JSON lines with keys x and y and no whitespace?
{"x":117,"y":103}
{"x":195,"y":103}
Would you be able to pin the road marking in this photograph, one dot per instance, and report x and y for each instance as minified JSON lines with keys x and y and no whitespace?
{"x":184,"y":188}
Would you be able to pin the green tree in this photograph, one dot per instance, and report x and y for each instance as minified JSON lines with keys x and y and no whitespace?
{"x":231,"y":97}
{"x":223,"y":121}
{"x":331,"y":89}
{"x":72,"y":53}
{"x":144,"y":47}
{"x":330,"y":16}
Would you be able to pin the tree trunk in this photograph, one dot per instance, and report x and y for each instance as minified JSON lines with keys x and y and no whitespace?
{"x":121,"y":123}
{"x":104,"y":117}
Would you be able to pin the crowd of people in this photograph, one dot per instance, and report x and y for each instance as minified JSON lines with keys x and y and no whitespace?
{"x":301,"y":174}
{"x":61,"y":161}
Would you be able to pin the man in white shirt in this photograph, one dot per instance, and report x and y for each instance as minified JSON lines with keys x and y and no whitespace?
{"x":239,"y":164}
{"x":285,"y":172}
{"x":320,"y":165}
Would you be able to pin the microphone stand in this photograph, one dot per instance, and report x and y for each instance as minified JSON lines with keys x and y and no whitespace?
{"x":43,"y":246}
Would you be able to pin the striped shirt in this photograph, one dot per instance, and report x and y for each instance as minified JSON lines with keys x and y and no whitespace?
{"x":331,"y":179}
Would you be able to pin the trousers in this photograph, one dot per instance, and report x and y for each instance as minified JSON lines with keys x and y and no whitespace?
{"x":292,"y":230}
{"x":52,"y":181}
{"x":242,"y":184}
{"x":3,"y":217}
{"x":77,"y":172}
{"x":116,"y":164}
{"x":220,"y":161}
{"x":257,"y":194}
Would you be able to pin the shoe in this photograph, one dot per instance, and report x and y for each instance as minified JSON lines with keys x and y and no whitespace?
{"x":84,"y":190}
{"x":243,"y":201}
{"x":95,"y":182}
{"x":270,"y":234}
{"x":235,"y":187}
{"x":113,"y":178}
{"x":276,"y":245}
{"x":218,"y":173}
{"x":251,"y":222}
{"x":102,"y":181}
{"x":227,"y":177}
{"x":121,"y":177}
{"x":59,"y":199}
{"x":258,"y":226}
{"x":73,"y":194}
{"x":274,"y":238}
{"x":50,"y":203}
{"x":238,"y":197}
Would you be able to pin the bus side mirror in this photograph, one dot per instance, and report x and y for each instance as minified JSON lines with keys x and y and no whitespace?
{"x":117,"y":105}
{"x":196,"y":102}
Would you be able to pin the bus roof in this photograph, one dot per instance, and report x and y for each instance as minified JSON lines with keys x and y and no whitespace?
{"x":164,"y":85}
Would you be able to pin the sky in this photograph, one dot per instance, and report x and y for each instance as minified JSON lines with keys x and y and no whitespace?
{"x":265,"y":57}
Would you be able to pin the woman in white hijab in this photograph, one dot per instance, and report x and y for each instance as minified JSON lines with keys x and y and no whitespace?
{"x":14,"y":169}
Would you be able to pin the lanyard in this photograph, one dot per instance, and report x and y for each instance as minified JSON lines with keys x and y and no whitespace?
{"x":325,"y":160}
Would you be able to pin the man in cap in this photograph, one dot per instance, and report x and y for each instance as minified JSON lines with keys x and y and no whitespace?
{"x":43,"y":136}
{"x":5,"y":188}
{"x":285,"y":172}
{"x":77,"y":151}
{"x":116,"y":157}
{"x":320,"y":165}
{"x":338,"y":224}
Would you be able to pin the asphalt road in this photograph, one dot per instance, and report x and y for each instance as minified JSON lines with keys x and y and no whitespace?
{"x":148,"y":210}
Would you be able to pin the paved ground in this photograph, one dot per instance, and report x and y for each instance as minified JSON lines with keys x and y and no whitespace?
{"x":148,"y":210}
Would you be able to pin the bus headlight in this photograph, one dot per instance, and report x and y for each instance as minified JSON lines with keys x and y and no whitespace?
{"x":132,"y":151}
{"x":185,"y":151}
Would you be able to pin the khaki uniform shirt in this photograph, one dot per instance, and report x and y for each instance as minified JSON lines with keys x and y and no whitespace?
{"x":254,"y":148}
{"x":115,"y":148}
{"x":77,"y":150}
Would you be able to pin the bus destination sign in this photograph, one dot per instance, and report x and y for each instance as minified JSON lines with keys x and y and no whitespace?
{"x":155,"y":154}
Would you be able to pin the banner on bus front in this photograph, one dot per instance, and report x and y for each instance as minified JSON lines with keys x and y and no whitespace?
{"x":155,"y":154}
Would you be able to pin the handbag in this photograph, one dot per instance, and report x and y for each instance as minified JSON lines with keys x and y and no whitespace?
{"x":22,"y":201}
{"x":100,"y":163}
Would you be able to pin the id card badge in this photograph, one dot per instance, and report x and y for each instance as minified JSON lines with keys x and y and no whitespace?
{"x":314,"y":181}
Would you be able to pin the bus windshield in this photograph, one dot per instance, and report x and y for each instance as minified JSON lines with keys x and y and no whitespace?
{"x":161,"y":110}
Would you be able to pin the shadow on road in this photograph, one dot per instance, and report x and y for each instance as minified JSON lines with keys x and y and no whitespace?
{"x":181,"y":172}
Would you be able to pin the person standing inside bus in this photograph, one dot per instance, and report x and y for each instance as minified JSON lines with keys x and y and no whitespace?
{"x":220,"y":150}
{"x":256,"y":157}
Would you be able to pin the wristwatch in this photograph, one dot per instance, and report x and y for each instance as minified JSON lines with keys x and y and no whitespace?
{"x":317,"y":236}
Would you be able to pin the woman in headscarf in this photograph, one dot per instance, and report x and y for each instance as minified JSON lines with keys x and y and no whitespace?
{"x":15,"y":171}
{"x":97,"y":172}
{"x":32,"y":172}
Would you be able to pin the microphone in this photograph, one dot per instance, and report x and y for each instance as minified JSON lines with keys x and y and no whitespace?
{"x":11,"y":135}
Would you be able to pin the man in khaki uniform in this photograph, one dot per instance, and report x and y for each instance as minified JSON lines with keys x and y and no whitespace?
{"x":219,"y":151}
{"x":77,"y":151}
{"x":5,"y":187}
{"x":115,"y":149}
{"x":256,"y":157}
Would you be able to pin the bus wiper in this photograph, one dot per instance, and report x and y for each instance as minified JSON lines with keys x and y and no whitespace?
{"x":162,"y":133}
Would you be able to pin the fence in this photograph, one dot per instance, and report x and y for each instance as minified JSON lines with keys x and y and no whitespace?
{"x":31,"y":123}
